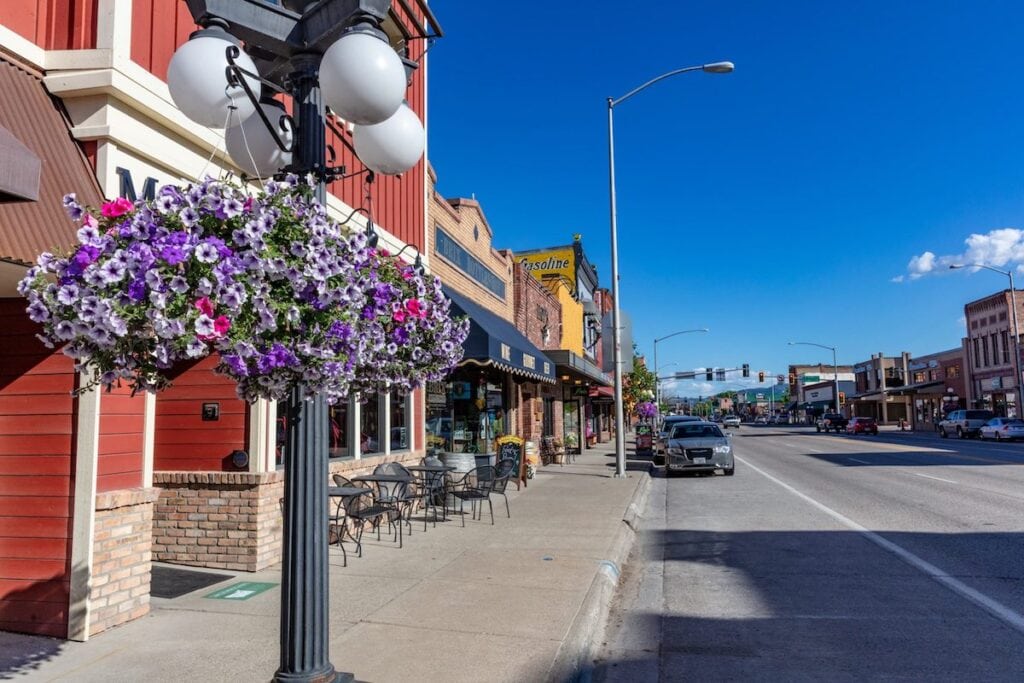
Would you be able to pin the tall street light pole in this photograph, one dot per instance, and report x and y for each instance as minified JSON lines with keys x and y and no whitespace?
{"x":835,"y":367}
{"x":1016,"y":330}
{"x":620,"y":435}
{"x":292,"y":48}
{"x":657,"y":381}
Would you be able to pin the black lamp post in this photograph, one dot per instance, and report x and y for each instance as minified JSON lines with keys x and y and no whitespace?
{"x":291,"y":47}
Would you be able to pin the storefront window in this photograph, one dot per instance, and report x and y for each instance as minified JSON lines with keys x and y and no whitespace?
{"x":399,"y":422}
{"x":338,"y":416}
{"x":439,"y":417}
{"x":478,"y":411}
{"x":369,"y":425}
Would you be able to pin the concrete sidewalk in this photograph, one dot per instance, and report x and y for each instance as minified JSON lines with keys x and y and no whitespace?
{"x":517,"y":601}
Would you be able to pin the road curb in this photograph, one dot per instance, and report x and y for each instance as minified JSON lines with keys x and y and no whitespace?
{"x":574,"y":660}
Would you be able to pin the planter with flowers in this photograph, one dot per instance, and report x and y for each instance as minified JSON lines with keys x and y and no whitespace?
{"x":282,"y":292}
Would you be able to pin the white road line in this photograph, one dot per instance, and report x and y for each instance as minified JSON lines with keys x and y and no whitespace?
{"x":815,"y":450}
{"x":928,"y":476}
{"x":1000,"y":611}
{"x":862,"y":462}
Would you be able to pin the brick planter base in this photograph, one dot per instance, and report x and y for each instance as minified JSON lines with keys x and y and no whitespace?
{"x":119,"y":586}
{"x":220,"y":520}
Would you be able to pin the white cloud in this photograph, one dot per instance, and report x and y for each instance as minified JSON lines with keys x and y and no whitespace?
{"x":999,"y":248}
{"x":897,"y":279}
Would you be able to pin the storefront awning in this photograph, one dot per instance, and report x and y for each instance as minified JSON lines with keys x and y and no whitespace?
{"x":602,"y":394}
{"x":931,"y":387}
{"x":496,"y":342}
{"x":39,"y":163}
{"x":579,"y":367}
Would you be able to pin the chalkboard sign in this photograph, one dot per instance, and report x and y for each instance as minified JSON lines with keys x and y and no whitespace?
{"x":643,"y":430}
{"x":512,"y":448}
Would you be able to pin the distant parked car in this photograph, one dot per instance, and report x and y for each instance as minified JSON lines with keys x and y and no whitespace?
{"x":761,"y":420}
{"x":862,"y":425}
{"x":964,"y":423}
{"x":731,"y":421}
{"x":999,"y":428}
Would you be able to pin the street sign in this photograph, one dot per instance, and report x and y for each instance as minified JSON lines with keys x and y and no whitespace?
{"x":780,"y":378}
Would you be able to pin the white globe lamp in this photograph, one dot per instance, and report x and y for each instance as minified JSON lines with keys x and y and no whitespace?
{"x":391,"y":147}
{"x":198,"y":83}
{"x":253,"y":148}
{"x":362,"y":78}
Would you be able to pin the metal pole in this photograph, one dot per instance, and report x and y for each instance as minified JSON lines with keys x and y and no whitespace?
{"x":305,"y":612}
{"x":835,"y":377}
{"x":1016,"y":346}
{"x":657,"y":384}
{"x":620,"y":436}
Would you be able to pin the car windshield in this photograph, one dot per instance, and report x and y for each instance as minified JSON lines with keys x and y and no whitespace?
{"x":696,"y":431}
{"x":978,"y":415}
{"x":1013,"y":421}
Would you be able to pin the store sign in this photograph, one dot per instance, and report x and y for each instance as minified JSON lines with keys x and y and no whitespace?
{"x":560,"y":263}
{"x":455,"y":253}
{"x":997,"y":382}
{"x":126,"y":186}
{"x":529,"y":361}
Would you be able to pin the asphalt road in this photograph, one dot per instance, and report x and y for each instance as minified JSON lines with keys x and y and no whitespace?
{"x":831,"y":558}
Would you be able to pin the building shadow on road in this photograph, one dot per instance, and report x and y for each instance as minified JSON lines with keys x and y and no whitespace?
{"x":817,"y":605}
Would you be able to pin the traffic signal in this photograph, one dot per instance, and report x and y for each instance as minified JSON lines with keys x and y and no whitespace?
{"x":720,"y":374}
{"x":842,"y":398}
{"x":760,"y":376}
{"x":792,"y":378}
{"x":709,"y":375}
{"x":746,"y":369}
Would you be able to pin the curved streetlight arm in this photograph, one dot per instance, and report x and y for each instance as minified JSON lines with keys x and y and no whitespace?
{"x":835,"y":366}
{"x":957,"y":266}
{"x":613,"y":103}
{"x":674,"y":334}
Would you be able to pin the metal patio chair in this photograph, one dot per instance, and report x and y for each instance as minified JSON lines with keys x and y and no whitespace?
{"x":475,"y":486}
{"x":355,"y":511}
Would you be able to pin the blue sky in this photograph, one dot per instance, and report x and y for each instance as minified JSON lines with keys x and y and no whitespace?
{"x":777,"y":202}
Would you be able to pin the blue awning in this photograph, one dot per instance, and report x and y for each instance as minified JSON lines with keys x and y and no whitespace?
{"x":496,"y":342}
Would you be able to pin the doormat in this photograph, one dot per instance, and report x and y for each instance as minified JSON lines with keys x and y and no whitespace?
{"x":171,"y":582}
{"x":240,"y":591}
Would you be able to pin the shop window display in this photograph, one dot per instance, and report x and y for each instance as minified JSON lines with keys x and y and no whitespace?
{"x":399,"y":419}
{"x":369,"y":425}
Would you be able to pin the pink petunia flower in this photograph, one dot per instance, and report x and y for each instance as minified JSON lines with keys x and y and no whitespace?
{"x":399,"y":316}
{"x":221,"y":325}
{"x":118,"y":207}
{"x":89,"y":221}
{"x":205,"y":306}
{"x":415,"y":308}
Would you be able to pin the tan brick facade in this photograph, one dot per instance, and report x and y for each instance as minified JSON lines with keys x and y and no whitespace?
{"x":119,"y":587}
{"x":538,"y":315}
{"x":220,"y":520}
{"x":464,"y":221}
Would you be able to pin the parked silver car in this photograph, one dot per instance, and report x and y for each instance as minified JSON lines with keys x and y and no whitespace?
{"x":699,"y":447}
{"x":731,"y":421}
{"x":661,"y":438}
{"x":1000,"y":428}
{"x":964,"y":423}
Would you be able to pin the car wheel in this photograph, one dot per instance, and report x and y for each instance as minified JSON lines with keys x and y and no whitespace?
{"x":942,"y":433}
{"x":729,"y":472}
{"x":998,"y":438}
{"x":959,"y":433}
{"x":818,"y":428}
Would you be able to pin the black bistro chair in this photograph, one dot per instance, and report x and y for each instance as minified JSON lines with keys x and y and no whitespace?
{"x":396,"y":495}
{"x":476,"y":487}
{"x":502,"y":477}
{"x":355,"y":511}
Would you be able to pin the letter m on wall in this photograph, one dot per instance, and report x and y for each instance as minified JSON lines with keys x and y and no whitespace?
{"x":127,"y":186}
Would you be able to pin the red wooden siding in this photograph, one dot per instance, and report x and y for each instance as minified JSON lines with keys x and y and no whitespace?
{"x":52,"y":24}
{"x":36,"y":477}
{"x":122,"y":423}
{"x":183,"y":441}
{"x":160,"y":26}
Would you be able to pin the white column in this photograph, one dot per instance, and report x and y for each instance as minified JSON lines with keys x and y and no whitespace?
{"x":84,"y":513}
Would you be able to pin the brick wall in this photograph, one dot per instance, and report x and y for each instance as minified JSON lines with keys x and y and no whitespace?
{"x":232,"y":520}
{"x":536,"y":308}
{"x":220,"y":520}
{"x":119,"y":589}
{"x":464,"y":221}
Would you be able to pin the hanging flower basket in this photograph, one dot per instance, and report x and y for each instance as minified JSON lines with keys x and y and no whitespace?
{"x":281,"y":291}
{"x":646,"y":410}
